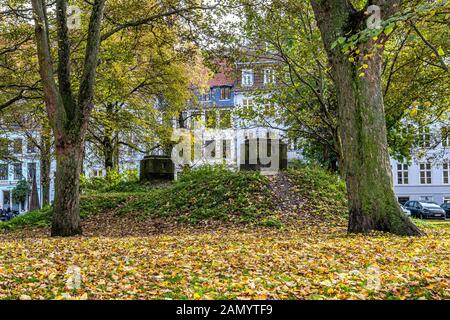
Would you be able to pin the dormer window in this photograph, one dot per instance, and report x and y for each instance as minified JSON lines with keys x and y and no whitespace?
{"x":247,"y":78}
{"x":225,"y":93}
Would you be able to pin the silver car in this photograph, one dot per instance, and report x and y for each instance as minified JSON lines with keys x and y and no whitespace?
{"x":405,"y":211}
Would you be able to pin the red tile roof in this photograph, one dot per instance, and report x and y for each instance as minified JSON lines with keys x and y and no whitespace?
{"x":223,"y":77}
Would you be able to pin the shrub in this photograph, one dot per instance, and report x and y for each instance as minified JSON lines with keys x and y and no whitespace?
{"x":21,"y":191}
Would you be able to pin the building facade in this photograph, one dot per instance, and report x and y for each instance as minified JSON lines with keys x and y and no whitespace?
{"x":22,"y":164}
{"x":427,"y":176}
{"x":214,"y":115}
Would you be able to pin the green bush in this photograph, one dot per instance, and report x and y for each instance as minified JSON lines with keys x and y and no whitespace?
{"x":21,"y":191}
{"x":206,"y":193}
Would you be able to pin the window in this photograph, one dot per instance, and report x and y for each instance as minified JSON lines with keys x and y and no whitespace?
{"x":3,"y":171}
{"x":402,"y":173}
{"x":31,"y":147}
{"x":4,"y":145}
{"x":31,"y":167}
{"x":205,"y":97}
{"x":210,"y":120}
{"x":424,"y":138}
{"x":226,"y":149}
{"x":181,"y":123}
{"x":425,"y":173}
{"x":446,"y":172}
{"x":247,"y":78}
{"x":447,"y":200}
{"x":225,"y":119}
{"x":269,"y":76}
{"x":269,"y":109}
{"x":247,"y":104}
{"x":18,"y":171}
{"x":225,"y":93}
{"x":403,"y":200}
{"x":210,"y":149}
{"x":17,"y":146}
{"x":97,"y":173}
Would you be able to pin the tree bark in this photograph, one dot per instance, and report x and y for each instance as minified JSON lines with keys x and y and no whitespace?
{"x":109,"y":147}
{"x":108,"y":153}
{"x":66,"y":219}
{"x":45,"y":163}
{"x":362,"y":127}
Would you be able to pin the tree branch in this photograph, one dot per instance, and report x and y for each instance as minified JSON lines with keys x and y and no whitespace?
{"x":154,"y":17}
{"x":444,"y":66}
{"x":86,"y":92}
{"x":51,"y":94}
{"x":65,"y":88}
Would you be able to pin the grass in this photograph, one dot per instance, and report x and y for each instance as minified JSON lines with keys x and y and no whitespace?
{"x":432,"y":224}
{"x":209,"y":193}
{"x":39,"y":218}
{"x":325,"y":191}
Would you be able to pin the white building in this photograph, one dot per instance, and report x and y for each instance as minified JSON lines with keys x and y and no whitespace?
{"x":427,"y":176}
{"x":24,"y":163}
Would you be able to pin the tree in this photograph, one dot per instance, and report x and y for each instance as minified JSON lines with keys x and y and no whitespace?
{"x":340,"y":100}
{"x":302,"y":96}
{"x":69,"y":112}
{"x":361,"y":117}
{"x":142,"y":83}
{"x":31,"y":120}
{"x":21,"y":191}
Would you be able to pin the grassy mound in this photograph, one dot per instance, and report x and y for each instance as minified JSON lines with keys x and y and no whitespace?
{"x":325,"y":191}
{"x":209,"y":193}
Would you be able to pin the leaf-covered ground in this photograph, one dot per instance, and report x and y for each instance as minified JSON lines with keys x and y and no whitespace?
{"x":222,"y":235}
{"x":244,"y":263}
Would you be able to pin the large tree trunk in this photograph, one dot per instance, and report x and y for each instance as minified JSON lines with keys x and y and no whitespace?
{"x":45,"y":163}
{"x":66,"y":219}
{"x":362,"y":127}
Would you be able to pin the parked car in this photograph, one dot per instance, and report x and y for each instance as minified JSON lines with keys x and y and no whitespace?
{"x":446,"y":207}
{"x":425,"y":210}
{"x":6,"y":215}
{"x":405,"y":211}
